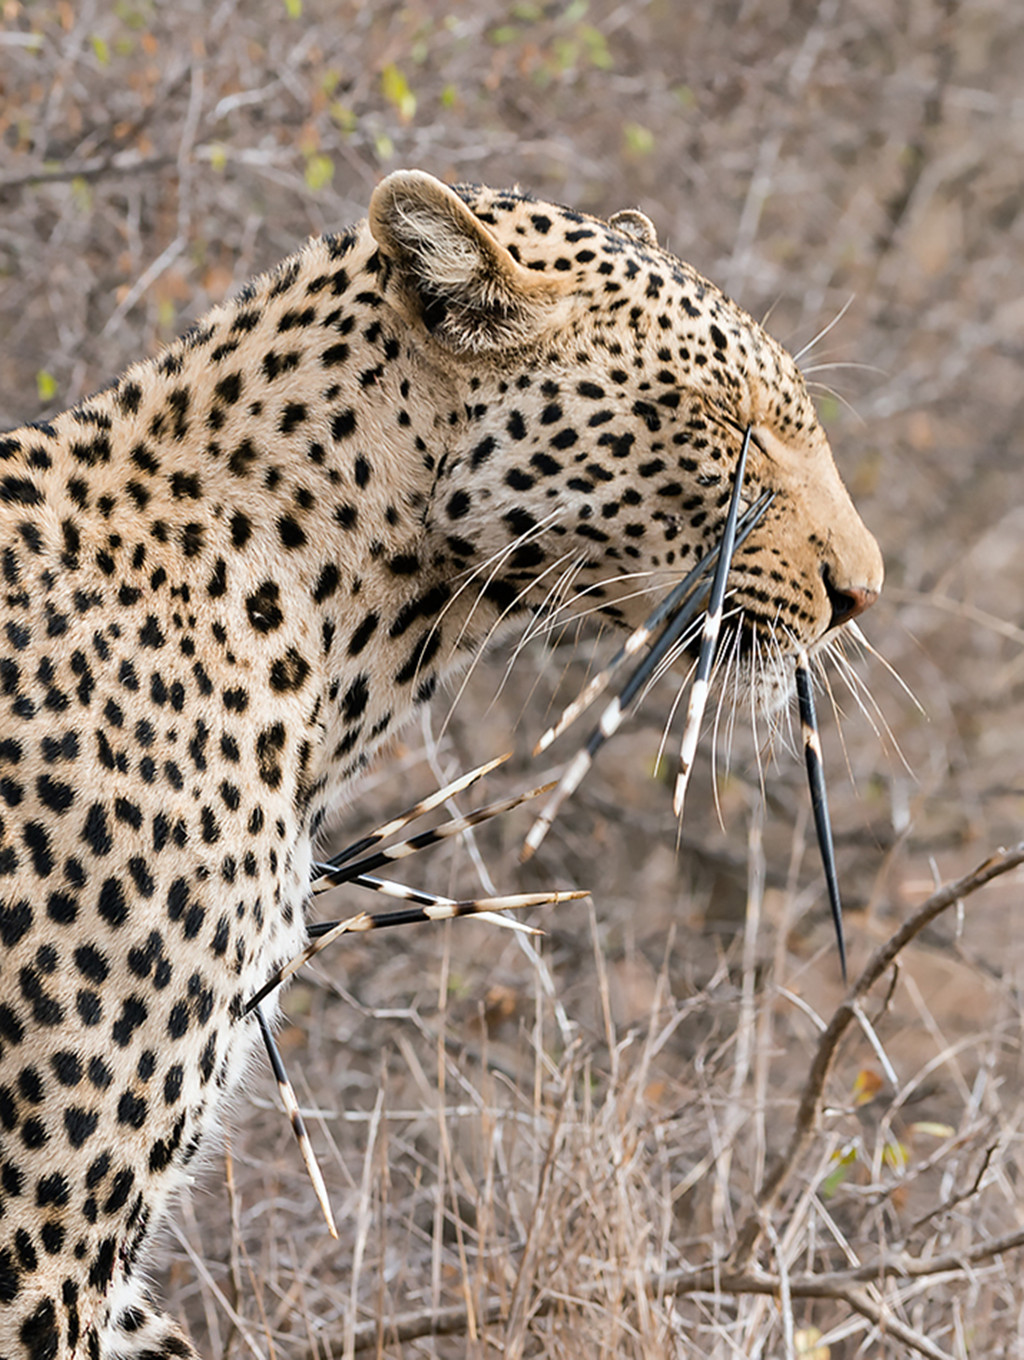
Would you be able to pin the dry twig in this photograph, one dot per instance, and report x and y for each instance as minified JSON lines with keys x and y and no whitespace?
{"x":1002,"y":862}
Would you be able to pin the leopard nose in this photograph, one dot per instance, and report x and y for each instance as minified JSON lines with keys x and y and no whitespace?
{"x":847,"y":602}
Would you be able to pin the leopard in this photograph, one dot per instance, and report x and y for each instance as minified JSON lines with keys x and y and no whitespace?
{"x":231,"y":575}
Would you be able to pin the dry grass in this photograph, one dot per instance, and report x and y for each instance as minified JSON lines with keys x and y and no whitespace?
{"x":567,"y":1158}
{"x":571,"y":1189}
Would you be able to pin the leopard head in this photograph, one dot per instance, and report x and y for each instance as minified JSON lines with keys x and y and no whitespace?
{"x":603,"y":391}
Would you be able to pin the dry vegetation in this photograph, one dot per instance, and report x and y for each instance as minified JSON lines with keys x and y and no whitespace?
{"x":580,"y":1156}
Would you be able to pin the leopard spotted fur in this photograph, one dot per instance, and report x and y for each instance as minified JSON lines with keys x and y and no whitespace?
{"x":230,"y":576}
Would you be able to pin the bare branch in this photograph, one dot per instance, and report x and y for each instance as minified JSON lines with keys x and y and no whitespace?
{"x":96,"y":167}
{"x":838,"y":1285}
{"x":1002,"y":862}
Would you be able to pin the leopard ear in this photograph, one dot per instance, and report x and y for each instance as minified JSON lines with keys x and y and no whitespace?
{"x":459,"y":280}
{"x":635,"y":223}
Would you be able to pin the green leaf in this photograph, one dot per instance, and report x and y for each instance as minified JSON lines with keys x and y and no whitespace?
{"x":344,"y":117}
{"x":933,"y":1129}
{"x":101,"y":48}
{"x":449,"y":97}
{"x":293,"y":8}
{"x":81,"y":194}
{"x":895,"y":1155}
{"x":385,"y":147}
{"x":597,"y":47}
{"x":134,"y":13}
{"x":396,"y":91}
{"x":843,"y":1161}
{"x":566,"y":53}
{"x":46,"y":385}
{"x":319,"y":171}
{"x":639,"y":138}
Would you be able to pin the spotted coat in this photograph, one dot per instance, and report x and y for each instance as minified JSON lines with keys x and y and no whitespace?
{"x":229,"y":577}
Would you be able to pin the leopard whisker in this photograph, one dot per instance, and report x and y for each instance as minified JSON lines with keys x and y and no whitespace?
{"x":531,"y":629}
{"x":553,"y":601}
{"x":656,"y":579}
{"x":613,"y":714}
{"x":493,"y":563}
{"x":469,"y":574}
{"x":757,"y":669}
{"x":744,"y":694}
{"x":779,"y":671}
{"x":672,"y":657}
{"x":722,"y":726}
{"x":825,"y":682}
{"x":637,"y":640}
{"x":665,"y":650}
{"x":666,"y":726}
{"x":552,"y":632}
{"x":779,"y":657}
{"x":668,"y":661}
{"x":641,"y":636}
{"x":495,"y":626}
{"x":833,"y":652}
{"x":855,"y":633}
{"x":497,"y":559}
{"x":866,"y":701}
{"x":291,"y":1108}
{"x":769,"y":663}
{"x":791,"y":740}
{"x":562,"y":615}
{"x":829,"y":391}
{"x":511,"y":607}
{"x":815,"y":339}
{"x":610,"y":721}
{"x":539,"y":625}
{"x":846,"y":364}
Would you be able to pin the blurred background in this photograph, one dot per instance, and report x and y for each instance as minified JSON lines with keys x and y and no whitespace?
{"x":854,"y":171}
